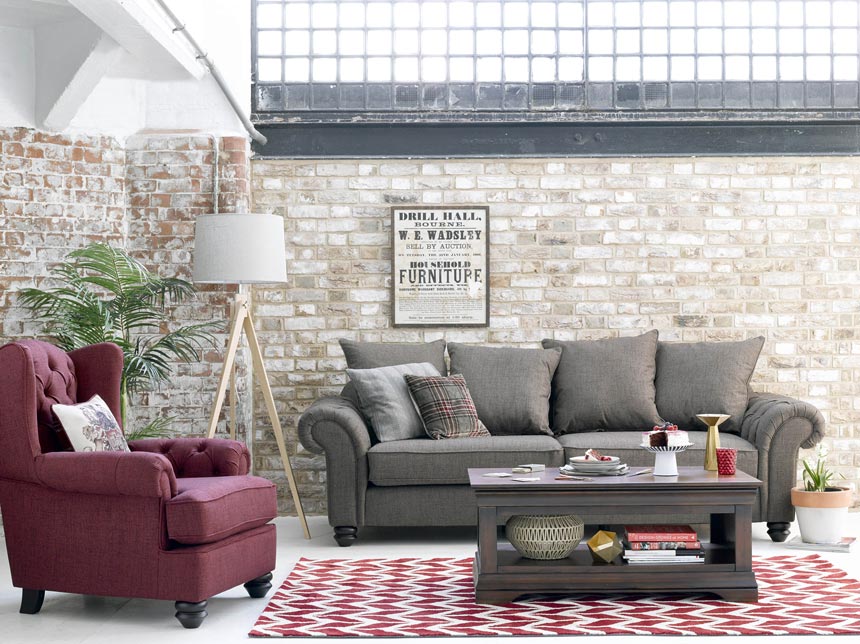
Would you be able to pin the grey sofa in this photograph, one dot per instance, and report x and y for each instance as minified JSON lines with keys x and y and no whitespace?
{"x":423,"y":482}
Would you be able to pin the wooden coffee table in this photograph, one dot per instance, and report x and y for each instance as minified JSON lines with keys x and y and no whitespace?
{"x":502,"y":574}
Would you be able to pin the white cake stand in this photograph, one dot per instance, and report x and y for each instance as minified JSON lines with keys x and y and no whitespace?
{"x":665,"y":463}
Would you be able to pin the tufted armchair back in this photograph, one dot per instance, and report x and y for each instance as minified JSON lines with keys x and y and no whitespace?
{"x":35,"y":375}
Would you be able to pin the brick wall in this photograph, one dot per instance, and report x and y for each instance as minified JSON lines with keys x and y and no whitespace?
{"x":55,"y":191}
{"x":720,"y":249}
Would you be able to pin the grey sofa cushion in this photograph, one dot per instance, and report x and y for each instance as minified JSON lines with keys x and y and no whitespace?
{"x":705,"y":378}
{"x":424,"y":461}
{"x":385,"y":401}
{"x":370,"y":355}
{"x":626,"y":445}
{"x":604,"y":383}
{"x":510,"y":387}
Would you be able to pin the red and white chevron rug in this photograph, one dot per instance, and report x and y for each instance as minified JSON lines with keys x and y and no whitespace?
{"x":434,"y":597}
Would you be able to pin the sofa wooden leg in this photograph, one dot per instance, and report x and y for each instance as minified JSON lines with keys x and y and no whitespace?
{"x":31,"y":601}
{"x":345,"y":535}
{"x":778,"y":530}
{"x":258,"y":587}
{"x":191,"y":614}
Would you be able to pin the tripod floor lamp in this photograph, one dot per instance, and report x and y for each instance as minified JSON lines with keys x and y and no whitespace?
{"x":244,"y":249}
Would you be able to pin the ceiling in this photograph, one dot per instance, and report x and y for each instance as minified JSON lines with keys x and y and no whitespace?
{"x":32,"y":13}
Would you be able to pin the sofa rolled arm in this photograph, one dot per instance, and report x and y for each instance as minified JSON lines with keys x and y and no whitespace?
{"x":110,"y":473}
{"x":199,"y":457}
{"x":333,"y":425}
{"x":329,"y":415}
{"x":779,"y":426}
{"x":767,"y":413}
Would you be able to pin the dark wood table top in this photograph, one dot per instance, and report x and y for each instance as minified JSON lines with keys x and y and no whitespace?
{"x":688,"y":478}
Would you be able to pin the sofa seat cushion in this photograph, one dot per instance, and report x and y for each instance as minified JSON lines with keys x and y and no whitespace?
{"x":424,"y":461}
{"x":626,"y":446}
{"x":212,"y":508}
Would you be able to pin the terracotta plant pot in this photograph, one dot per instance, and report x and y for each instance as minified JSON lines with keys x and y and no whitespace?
{"x":821,"y":515}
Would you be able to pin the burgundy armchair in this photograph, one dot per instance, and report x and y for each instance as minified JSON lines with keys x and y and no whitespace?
{"x":175,"y":519}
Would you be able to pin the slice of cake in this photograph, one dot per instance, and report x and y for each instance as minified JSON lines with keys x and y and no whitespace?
{"x":665,"y":435}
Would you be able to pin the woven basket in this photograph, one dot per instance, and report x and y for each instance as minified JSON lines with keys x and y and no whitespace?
{"x":544,"y":536}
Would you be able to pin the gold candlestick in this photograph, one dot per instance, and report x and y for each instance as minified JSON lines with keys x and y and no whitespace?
{"x":713,"y":442}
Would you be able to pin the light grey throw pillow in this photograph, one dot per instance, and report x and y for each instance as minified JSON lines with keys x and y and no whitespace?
{"x":510,"y":387}
{"x":605,"y":384}
{"x":384,"y":399}
{"x":705,"y":378}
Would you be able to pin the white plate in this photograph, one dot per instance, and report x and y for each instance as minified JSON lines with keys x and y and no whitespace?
{"x":580,"y":460}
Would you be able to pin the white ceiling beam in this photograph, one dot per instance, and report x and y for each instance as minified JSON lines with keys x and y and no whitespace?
{"x":82,"y":83}
{"x":142,"y":29}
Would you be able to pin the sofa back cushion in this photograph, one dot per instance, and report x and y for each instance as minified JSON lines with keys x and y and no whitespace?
{"x":385,"y":401}
{"x":510,"y":387}
{"x":705,"y":378}
{"x":605,"y":384}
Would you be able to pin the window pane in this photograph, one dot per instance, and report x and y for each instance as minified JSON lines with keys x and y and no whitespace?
{"x":516,"y":14}
{"x":379,"y":70}
{"x":791,"y":41}
{"x":488,"y":14}
{"x":352,"y":15}
{"x":269,"y":70}
{"x":600,"y":14}
{"x":737,"y":68}
{"x":737,"y":13}
{"x":845,"y":68}
{"x":297,"y":15}
{"x":682,"y":14}
{"x":543,"y":70}
{"x":655,"y":41}
{"x":570,"y":42}
{"x":434,"y":14}
{"x":297,"y":70}
{"x":543,"y":42}
{"x":627,"y":69}
{"x":818,"y":68}
{"x":405,"y":42}
{"x":351,"y":42}
{"x":600,"y":68}
{"x":379,"y":14}
{"x":325,"y":42}
{"x":845,"y":13}
{"x":543,"y":14}
{"x":655,"y":68}
{"x":461,"y":70}
{"x":516,"y":41}
{"x":434,"y":42}
{"x":434,"y":69}
{"x":489,"y":70}
{"x":737,"y":41}
{"x":323,"y":14}
{"x":844,"y":41}
{"x":627,"y":15}
{"x":655,"y":14}
{"x":682,"y":41}
{"x":461,"y":42}
{"x":763,"y":13}
{"x":351,"y":70}
{"x":489,"y":41}
{"x":791,"y":68}
{"x":269,"y":43}
{"x":600,"y":41}
{"x":764,"y":41}
{"x":297,"y":42}
{"x":406,"y":14}
{"x":710,"y":41}
{"x":627,"y":42}
{"x":379,"y":42}
{"x":709,"y":13}
{"x":683,"y":68}
{"x":516,"y":70}
{"x":269,"y":16}
{"x":324,"y":70}
{"x":764,"y":68}
{"x":818,"y":41}
{"x":406,"y":69}
{"x":570,"y":14}
{"x":461,"y":14}
{"x":570,"y":69}
{"x":710,"y":68}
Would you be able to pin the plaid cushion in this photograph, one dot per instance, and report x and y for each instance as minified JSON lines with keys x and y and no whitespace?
{"x":445,"y":406}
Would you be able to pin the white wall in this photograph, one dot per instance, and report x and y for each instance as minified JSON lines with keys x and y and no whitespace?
{"x":17,"y":72}
{"x":129,"y":98}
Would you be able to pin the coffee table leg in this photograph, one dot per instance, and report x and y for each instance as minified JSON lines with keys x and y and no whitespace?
{"x":487,"y":540}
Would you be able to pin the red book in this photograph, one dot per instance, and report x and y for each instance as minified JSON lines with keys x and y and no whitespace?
{"x":660,"y":533}
{"x":665,"y":545}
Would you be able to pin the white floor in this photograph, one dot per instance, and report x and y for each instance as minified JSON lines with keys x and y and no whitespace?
{"x":75,"y":619}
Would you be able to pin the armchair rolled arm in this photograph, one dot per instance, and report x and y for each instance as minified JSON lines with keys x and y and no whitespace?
{"x":333,"y":425}
{"x":779,"y":426}
{"x":111,"y":473}
{"x":199,"y":457}
{"x":767,"y":413}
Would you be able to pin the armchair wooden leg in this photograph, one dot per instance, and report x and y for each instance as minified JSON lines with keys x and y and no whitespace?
{"x":191,"y":614}
{"x":345,"y":535}
{"x":778,"y":530}
{"x":258,"y":587}
{"x":31,"y":601}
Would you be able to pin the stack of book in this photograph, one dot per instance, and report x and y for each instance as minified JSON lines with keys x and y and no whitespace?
{"x":662,"y":545}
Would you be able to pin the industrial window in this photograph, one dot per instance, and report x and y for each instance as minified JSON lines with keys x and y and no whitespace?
{"x":459,"y":56}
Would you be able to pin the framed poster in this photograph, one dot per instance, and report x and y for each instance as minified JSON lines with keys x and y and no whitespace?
{"x":440,"y":266}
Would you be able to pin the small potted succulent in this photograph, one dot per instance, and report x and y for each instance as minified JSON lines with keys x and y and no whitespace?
{"x":821,"y":506}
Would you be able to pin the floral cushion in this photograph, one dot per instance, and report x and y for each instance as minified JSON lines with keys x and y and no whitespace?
{"x":91,"y":427}
{"x":445,"y":406}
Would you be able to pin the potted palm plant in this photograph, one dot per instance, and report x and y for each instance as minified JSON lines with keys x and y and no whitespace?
{"x":105,"y":295}
{"x":820,"y":505}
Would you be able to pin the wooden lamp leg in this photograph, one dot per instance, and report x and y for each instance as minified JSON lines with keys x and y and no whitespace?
{"x":242,"y":321}
{"x":263,"y":377}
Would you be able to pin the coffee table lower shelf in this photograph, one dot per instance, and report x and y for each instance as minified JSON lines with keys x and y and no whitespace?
{"x":517,"y":576}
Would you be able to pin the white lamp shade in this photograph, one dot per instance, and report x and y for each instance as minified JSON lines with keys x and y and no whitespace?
{"x":239,"y":249}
